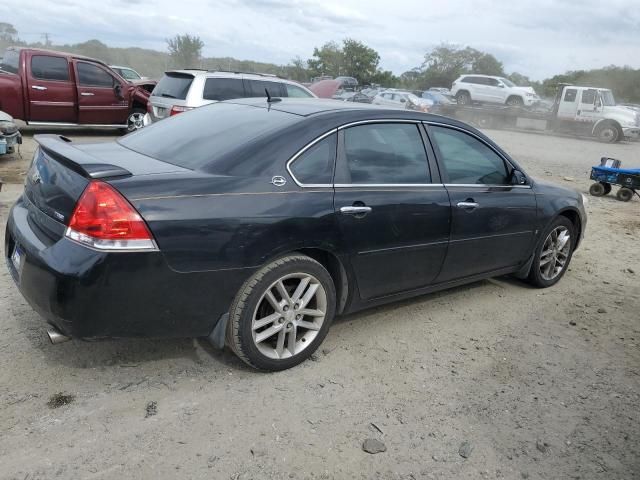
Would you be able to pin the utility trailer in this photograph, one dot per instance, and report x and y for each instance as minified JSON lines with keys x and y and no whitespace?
{"x":576,"y":110}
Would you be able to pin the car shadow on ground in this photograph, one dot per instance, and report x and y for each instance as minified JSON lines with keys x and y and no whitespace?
{"x":199,"y":352}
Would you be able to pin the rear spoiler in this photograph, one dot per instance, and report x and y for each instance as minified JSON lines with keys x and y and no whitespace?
{"x":59,"y":147}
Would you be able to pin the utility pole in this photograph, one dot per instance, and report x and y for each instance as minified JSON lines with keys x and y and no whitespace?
{"x":47,"y":40}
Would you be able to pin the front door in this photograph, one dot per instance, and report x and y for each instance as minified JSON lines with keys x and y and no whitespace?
{"x":101,"y":96}
{"x":492,"y":221}
{"x":52,"y":93}
{"x":393,"y":210}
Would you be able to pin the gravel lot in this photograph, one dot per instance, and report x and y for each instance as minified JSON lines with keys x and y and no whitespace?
{"x":524,"y":383}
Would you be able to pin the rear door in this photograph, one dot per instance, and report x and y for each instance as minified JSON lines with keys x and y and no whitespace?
{"x":52,"y":93}
{"x":102,"y":98}
{"x":393,"y":210}
{"x":492,"y":221}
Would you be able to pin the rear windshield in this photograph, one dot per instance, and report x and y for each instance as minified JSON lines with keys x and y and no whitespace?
{"x":9,"y":61}
{"x":195,"y":139}
{"x":173,"y":85}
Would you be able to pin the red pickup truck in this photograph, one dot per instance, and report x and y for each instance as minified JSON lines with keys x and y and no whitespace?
{"x":42,"y":87}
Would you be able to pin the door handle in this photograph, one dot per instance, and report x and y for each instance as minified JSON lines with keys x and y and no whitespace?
{"x":470,"y":205}
{"x":38,"y":87}
{"x":360,"y":210}
{"x":87,"y":94}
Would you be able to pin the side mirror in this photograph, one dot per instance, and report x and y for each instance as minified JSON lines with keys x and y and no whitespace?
{"x":402,"y":100}
{"x":518,"y":178}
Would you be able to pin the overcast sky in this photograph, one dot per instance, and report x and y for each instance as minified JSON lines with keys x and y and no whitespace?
{"x":537,"y":38}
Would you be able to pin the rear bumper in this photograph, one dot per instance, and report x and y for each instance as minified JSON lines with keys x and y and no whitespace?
{"x":90,"y":294}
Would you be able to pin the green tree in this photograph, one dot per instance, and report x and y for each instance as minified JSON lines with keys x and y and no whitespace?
{"x":185,"y":50}
{"x":8,"y":33}
{"x":486,"y":64}
{"x":297,"y":70}
{"x":359,"y":61}
{"x":327,"y":60}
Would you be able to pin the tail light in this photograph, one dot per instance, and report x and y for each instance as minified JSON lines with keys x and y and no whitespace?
{"x":176,"y":109}
{"x":103,"y":219}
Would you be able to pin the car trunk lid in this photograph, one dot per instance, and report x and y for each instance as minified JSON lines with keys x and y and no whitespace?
{"x":60,"y":172}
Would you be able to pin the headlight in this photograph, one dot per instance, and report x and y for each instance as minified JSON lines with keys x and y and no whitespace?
{"x":531,"y":94}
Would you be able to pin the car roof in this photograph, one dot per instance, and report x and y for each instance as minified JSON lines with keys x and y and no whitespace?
{"x":44,"y":51}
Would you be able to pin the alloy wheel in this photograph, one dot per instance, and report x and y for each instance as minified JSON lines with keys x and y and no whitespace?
{"x":555,"y":253}
{"x":289,"y":315}
{"x":135,"y":121}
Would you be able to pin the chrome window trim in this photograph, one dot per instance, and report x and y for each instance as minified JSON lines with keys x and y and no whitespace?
{"x":484,"y":185}
{"x":385,"y":185}
{"x":300,"y":152}
{"x":380,"y":120}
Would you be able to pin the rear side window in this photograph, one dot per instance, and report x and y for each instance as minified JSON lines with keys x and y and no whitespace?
{"x":297,"y":92}
{"x":570,"y":95}
{"x":589,"y":96}
{"x":467,"y":160}
{"x":9,"y":61}
{"x":45,"y":67}
{"x":258,"y":88}
{"x":173,"y":85}
{"x":90,"y":75}
{"x":389,"y":153}
{"x":223,"y":89}
{"x":315,"y":165}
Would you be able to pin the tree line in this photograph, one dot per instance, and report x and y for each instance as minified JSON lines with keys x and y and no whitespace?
{"x":439,"y":68}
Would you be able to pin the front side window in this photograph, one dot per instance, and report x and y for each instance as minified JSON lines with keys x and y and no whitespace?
{"x":90,"y":75}
{"x":467,"y":160}
{"x":589,"y":96}
{"x":223,"y":89}
{"x":315,"y":165}
{"x":385,"y":153}
{"x":45,"y":67}
{"x":297,"y":92}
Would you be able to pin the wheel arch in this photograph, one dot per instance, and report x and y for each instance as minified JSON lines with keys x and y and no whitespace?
{"x":574,"y":217}
{"x":514,"y":95}
{"x":608,"y":121}
{"x":336,"y":270}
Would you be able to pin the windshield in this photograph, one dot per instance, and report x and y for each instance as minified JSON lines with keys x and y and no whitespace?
{"x":129,"y":74}
{"x":507,"y":82}
{"x":9,"y":61}
{"x":196,"y":139}
{"x":607,"y":98}
{"x":414,"y":98}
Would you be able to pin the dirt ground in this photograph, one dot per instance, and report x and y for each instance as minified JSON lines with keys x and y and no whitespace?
{"x":526,"y":383}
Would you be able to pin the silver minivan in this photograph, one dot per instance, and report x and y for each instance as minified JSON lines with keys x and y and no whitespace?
{"x":182,"y":90}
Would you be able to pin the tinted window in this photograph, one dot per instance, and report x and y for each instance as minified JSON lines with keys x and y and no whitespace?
{"x":316,"y":164}
{"x":468,"y":160}
{"x":589,"y":96}
{"x":94,"y":76}
{"x":173,"y":85}
{"x":256,"y":88}
{"x":9,"y":61}
{"x":45,"y":67}
{"x":570,"y":95}
{"x":385,"y":153}
{"x":492,"y":82}
{"x":293,"y":91}
{"x":197,"y":138}
{"x":223,"y":89}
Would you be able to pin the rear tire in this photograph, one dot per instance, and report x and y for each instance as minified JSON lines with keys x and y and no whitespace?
{"x":463,"y":98}
{"x":598,"y":189}
{"x":515,"y":102}
{"x":624,"y":194}
{"x":551,"y":257}
{"x":281,"y":315}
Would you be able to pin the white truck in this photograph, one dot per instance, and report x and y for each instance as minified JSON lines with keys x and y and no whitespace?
{"x":576,"y":110}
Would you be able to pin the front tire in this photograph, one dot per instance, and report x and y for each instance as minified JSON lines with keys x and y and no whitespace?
{"x":553,"y":254}
{"x":598,"y":189}
{"x":135,"y":120}
{"x":463,"y":98}
{"x":608,"y":133}
{"x":515,"y":102}
{"x":624,"y":194}
{"x":281,"y":315}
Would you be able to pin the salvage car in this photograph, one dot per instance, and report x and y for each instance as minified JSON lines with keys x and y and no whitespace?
{"x":401,"y":99}
{"x":256,"y":222}
{"x":9,"y":134}
{"x":183,"y":90}
{"x":490,"y":89}
{"x":53,"y":89}
{"x":127,"y":73}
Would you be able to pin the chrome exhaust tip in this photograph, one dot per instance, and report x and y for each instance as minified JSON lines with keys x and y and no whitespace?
{"x":55,"y":336}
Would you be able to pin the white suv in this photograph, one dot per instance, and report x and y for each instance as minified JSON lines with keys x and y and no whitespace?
{"x":182,"y":90}
{"x":488,"y":89}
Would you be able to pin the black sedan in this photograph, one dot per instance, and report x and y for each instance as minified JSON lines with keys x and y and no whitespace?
{"x":255,"y":222}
